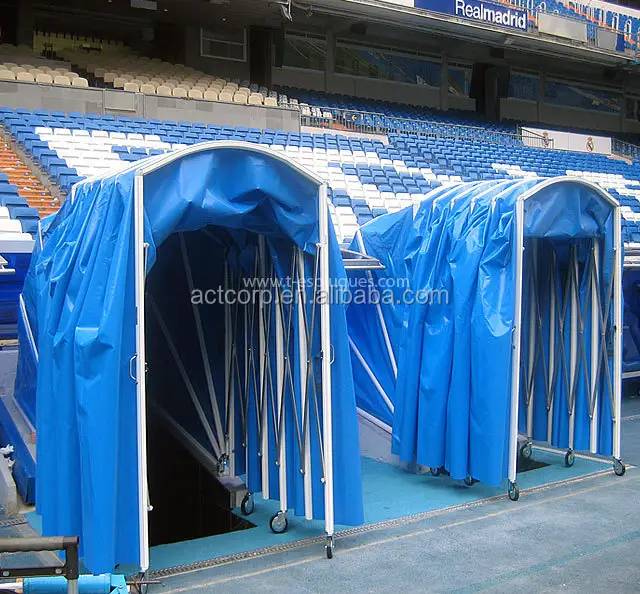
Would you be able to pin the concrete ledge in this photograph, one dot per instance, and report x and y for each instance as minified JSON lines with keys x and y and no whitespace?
{"x":8,"y":489}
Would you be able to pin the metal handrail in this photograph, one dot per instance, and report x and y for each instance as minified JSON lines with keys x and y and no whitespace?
{"x":351,"y":121}
{"x":625,"y":149}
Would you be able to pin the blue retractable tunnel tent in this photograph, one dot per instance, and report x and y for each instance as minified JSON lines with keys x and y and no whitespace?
{"x":246,"y":380}
{"x":504,"y":316}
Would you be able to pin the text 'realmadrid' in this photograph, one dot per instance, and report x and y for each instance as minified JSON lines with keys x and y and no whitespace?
{"x":481,"y":12}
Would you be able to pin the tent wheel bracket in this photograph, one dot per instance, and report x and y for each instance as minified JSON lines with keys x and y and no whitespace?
{"x":329,"y":546}
{"x":569,"y":458}
{"x":248,"y":504}
{"x":279,"y":523}
{"x":469,"y":481}
{"x":434,"y":470}
{"x":526,"y":450}
{"x":619,"y":467}
{"x":514,"y":491}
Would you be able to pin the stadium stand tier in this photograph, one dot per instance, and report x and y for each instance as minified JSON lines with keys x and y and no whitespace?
{"x":367,"y":177}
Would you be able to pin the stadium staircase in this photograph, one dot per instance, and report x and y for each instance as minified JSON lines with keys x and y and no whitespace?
{"x":28,"y":185}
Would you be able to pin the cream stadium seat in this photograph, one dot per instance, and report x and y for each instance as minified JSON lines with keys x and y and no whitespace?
{"x":7,"y":75}
{"x":78,"y":81}
{"x":44,"y":78}
{"x":70,"y":74}
{"x":195,"y":94}
{"x":25,"y":77}
{"x":255,"y":99}
{"x":109,"y":77}
{"x":17,"y":69}
{"x":119,"y":82}
{"x":148,"y":89}
{"x":132,"y":87}
{"x":239,"y":98}
{"x":211,"y":95}
{"x":100,"y":72}
{"x":62,"y":80}
{"x":271,"y":102}
{"x":180,"y":92}
{"x":164,"y":91}
{"x":224,"y":96}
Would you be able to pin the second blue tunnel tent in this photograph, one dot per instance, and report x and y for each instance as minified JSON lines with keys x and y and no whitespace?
{"x":506,"y":320}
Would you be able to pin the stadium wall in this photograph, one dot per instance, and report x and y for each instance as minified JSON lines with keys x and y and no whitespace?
{"x":108,"y":101}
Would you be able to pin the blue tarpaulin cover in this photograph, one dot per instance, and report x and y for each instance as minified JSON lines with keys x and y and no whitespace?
{"x":80,"y":299}
{"x":452,"y":334}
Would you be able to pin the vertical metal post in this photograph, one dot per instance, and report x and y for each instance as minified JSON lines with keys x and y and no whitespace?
{"x":262,"y":397}
{"x":533,"y":246}
{"x":516,"y":344}
{"x":304,"y":404}
{"x":573,"y":342}
{"x":595,"y":346}
{"x":140,"y":274}
{"x":230,"y":414}
{"x":552,"y":348}
{"x":617,"y":324}
{"x":325,"y":339}
{"x":281,"y":409}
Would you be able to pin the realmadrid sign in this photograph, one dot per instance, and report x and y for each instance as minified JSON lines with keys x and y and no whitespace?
{"x":478,"y":11}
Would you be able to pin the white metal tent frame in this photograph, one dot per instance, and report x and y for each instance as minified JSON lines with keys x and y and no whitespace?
{"x":597,"y":349}
{"x":138,"y":361}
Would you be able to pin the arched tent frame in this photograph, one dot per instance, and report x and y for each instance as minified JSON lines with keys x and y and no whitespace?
{"x":88,"y":280}
{"x":598,"y":319}
{"x":376,"y":361}
{"x":140,"y":356}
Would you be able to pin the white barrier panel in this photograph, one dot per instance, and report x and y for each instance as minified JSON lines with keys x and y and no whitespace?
{"x":607,"y":40}
{"x":561,"y":27}
{"x":568,"y":141}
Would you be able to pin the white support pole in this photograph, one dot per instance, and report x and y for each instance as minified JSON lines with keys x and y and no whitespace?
{"x":573,"y":343}
{"x":375,"y":421}
{"x":187,"y":381}
{"x":262,"y":354}
{"x":532,"y":335}
{"x":325,"y":339}
{"x":517,"y":335}
{"x":281,"y":409}
{"x":202,"y":343}
{"x":140,"y":274}
{"x":247,"y":346}
{"x":595,"y":346}
{"x":229,"y":383}
{"x":383,"y":323}
{"x":617,"y":339}
{"x":304,"y":405}
{"x":371,"y":375}
{"x":552,"y":349}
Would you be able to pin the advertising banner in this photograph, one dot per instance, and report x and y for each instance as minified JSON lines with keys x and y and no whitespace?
{"x":478,"y":11}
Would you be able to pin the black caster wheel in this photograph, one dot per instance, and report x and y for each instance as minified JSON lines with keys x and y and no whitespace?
{"x":514,"y":492}
{"x":525,"y":450}
{"x":618,"y":467}
{"x":468,"y":481}
{"x":434,"y":471}
{"x":569,"y":458}
{"x":329,"y":547}
{"x":248,"y":505}
{"x":279,"y":523}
